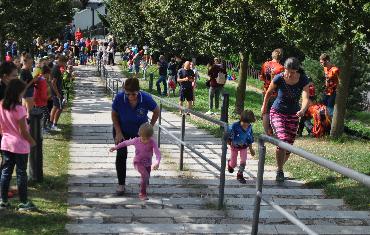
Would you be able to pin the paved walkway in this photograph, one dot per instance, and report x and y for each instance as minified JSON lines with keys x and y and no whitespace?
{"x":181,"y":202}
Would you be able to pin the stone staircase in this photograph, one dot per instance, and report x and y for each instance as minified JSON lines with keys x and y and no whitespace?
{"x":181,"y":202}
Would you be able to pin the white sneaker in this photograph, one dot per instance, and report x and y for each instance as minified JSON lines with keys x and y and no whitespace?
{"x":55,"y":128}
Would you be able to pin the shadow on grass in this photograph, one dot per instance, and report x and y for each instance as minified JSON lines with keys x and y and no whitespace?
{"x":353,"y":193}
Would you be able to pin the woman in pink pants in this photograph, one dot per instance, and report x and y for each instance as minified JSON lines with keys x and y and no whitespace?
{"x":144,"y":147}
{"x":241,"y":138}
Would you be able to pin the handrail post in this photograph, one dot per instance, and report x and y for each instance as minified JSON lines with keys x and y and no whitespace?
{"x":257,"y":202}
{"x":117,"y":87}
{"x":151,"y":77}
{"x":223,"y":166}
{"x":182,"y":139}
{"x":225,"y":109}
{"x":160,"y":123}
{"x":35,"y":169}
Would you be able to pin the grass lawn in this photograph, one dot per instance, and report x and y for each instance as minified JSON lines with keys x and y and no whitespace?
{"x":347,"y":151}
{"x":50,"y":196}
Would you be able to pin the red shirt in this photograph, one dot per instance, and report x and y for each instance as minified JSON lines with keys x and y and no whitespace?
{"x":268,"y":71}
{"x":8,"y":58}
{"x":331,"y":79}
{"x":41,"y":92}
{"x":78,"y":36}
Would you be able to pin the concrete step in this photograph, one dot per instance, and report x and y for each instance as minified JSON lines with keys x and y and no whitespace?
{"x":205,"y":203}
{"x":209,"y":229}
{"x":170,"y":173}
{"x":108,"y":181}
{"x":164,"y":165}
{"x":216,"y":216}
{"x":202,"y":190}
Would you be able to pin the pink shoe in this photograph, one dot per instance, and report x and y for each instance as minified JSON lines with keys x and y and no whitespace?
{"x":143,"y":197}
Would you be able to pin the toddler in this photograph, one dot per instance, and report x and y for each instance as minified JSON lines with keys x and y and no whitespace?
{"x":144,"y":147}
{"x":41,"y":96}
{"x":241,"y":138}
{"x":15,"y":144}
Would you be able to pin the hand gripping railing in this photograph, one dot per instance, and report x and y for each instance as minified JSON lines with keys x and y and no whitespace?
{"x":362,"y":178}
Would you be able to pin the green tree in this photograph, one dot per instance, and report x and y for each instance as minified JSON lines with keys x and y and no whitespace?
{"x":25,"y":20}
{"x":322,"y":26}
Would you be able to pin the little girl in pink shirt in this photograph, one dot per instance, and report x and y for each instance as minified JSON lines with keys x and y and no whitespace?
{"x":144,"y":147}
{"x":15,"y":143}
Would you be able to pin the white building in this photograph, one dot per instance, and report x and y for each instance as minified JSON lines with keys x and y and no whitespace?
{"x":88,"y":17}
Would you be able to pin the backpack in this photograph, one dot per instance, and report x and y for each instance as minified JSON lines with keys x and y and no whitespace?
{"x":221,"y":78}
{"x":321,"y":120}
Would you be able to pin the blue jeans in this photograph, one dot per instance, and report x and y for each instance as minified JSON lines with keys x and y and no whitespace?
{"x":162,"y":79}
{"x":11,"y":160}
{"x":329,"y":102}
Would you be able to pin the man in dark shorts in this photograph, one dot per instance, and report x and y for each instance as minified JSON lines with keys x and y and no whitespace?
{"x":57,"y":92}
{"x":185,"y":77}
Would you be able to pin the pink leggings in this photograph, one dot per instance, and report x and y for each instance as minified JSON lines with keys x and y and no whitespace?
{"x":234,"y":155}
{"x":145,"y":175}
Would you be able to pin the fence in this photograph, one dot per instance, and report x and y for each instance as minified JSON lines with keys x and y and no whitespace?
{"x":362,"y":178}
{"x":112,"y":83}
{"x":113,"y":89}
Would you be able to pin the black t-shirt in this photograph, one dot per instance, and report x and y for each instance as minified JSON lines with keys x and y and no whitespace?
{"x":56,"y":74}
{"x":172,"y":69}
{"x":162,"y":68}
{"x":183,"y":73}
{"x":26,"y":76}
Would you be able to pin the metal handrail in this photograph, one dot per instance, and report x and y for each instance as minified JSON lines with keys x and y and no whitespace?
{"x":104,"y":75}
{"x":362,"y":178}
{"x":183,"y":143}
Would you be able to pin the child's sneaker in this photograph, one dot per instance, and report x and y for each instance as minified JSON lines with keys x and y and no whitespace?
{"x":55,"y":128}
{"x":280,"y":176}
{"x":143,"y":197}
{"x":28,"y":206}
{"x":4,"y":205}
{"x":240,"y":178}
{"x":229,"y":168}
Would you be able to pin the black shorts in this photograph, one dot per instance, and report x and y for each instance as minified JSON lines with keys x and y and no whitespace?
{"x":58,"y":103}
{"x":186,"y":94}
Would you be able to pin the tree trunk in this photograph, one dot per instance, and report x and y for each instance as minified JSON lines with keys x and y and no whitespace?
{"x":242,"y":83}
{"x":337,"y":125}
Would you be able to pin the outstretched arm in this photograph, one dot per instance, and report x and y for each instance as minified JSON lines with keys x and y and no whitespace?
{"x":157,"y":154}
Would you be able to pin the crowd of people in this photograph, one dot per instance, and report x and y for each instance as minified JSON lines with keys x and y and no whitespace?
{"x":34,"y":81}
{"x":289,"y":103}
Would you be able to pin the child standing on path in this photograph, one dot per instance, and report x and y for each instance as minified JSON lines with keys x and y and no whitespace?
{"x":41,"y":96}
{"x":15,"y":144}
{"x":144,"y":147}
{"x":241,"y":138}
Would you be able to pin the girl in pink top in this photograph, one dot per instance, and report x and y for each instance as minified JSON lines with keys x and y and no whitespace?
{"x":144,"y":147}
{"x":15,"y":144}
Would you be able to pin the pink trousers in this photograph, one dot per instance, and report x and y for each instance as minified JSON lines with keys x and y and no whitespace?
{"x":145,"y":175}
{"x":234,"y":155}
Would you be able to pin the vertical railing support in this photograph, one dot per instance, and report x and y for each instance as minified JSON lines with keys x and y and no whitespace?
{"x":223,"y":166}
{"x":225,"y":109}
{"x":151,"y":77}
{"x":35,"y":170}
{"x":257,"y":202}
{"x":182,"y":139}
{"x":160,"y":123}
{"x":117,"y":86}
